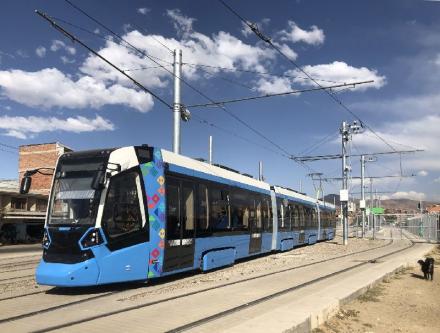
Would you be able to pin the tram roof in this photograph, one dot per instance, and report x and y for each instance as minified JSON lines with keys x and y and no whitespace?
{"x":211,"y":172}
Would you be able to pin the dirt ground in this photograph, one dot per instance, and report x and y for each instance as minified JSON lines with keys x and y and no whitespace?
{"x":404,"y":302}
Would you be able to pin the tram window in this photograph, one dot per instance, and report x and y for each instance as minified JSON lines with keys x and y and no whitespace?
{"x":239,"y":209}
{"x":302,"y":217}
{"x":203,"y":209}
{"x":122,"y":213}
{"x":267,"y":221}
{"x":258,"y":213}
{"x":312,"y":218}
{"x":173,"y":209}
{"x":295,"y":217}
{"x":219,"y":217}
{"x":279,"y":212}
{"x":188,"y":202}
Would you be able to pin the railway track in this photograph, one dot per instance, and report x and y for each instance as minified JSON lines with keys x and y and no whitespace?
{"x":257,"y":301}
{"x":107,"y":294}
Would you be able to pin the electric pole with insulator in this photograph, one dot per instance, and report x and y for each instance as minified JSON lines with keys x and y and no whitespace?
{"x":346,"y":131}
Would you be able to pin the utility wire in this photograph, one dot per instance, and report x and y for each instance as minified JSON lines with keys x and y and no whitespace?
{"x":314,"y":146}
{"x":156,"y":39}
{"x":255,"y":72}
{"x":73,"y":38}
{"x":179,"y":78}
{"x":103,"y":37}
{"x":264,"y":38}
{"x":278,"y":94}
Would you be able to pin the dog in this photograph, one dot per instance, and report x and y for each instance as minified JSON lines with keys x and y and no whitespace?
{"x":427,"y":267}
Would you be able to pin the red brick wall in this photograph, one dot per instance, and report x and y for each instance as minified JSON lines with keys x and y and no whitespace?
{"x":39,"y":156}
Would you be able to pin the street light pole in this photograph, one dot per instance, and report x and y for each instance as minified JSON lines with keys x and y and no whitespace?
{"x":362,"y":203}
{"x":177,"y":102}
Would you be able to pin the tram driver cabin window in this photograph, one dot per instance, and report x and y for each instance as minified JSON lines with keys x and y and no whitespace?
{"x":122,"y":211}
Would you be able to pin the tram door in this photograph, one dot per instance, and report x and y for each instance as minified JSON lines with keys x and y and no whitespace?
{"x":255,"y":227}
{"x":179,"y":245}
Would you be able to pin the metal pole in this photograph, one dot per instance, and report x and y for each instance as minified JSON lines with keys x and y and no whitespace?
{"x":260,"y":171}
{"x":345,"y":138}
{"x":210,"y":149}
{"x":363,"y":193}
{"x":177,"y":102}
{"x":371,"y":208}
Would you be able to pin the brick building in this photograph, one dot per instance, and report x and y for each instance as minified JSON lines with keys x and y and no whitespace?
{"x":40,"y":156}
{"x":23,"y":215}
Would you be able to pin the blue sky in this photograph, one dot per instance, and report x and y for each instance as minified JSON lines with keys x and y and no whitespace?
{"x":53,"y":90}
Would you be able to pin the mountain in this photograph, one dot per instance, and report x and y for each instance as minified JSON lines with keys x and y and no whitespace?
{"x":391,"y":205}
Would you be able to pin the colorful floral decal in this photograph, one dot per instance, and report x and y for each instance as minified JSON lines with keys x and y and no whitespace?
{"x":154,"y":180}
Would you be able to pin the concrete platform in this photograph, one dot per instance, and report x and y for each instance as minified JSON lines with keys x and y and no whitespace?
{"x":308,"y":308}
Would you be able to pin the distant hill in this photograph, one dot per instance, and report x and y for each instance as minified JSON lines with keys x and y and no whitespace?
{"x":391,"y":204}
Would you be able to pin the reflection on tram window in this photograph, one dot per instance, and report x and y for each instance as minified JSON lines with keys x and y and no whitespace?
{"x":122,"y":212}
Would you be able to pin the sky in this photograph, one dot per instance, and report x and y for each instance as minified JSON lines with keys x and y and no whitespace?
{"x":53,"y":89}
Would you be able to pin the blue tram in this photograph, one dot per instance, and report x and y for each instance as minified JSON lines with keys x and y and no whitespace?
{"x":139,"y":212}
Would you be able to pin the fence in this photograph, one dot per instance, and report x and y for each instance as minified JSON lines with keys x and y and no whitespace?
{"x":420,"y":227}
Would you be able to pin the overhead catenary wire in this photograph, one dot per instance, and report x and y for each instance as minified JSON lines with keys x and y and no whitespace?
{"x":75,"y":39}
{"x":256,"y":72}
{"x":267,"y":40}
{"x":179,"y":78}
{"x":106,"y":38}
{"x":277,"y":94}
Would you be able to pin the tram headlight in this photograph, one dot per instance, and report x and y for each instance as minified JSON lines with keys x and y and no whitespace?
{"x":46,"y":239}
{"x":92,"y":238}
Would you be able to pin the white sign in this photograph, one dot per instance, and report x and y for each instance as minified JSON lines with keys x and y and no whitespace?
{"x":362,"y":204}
{"x":343,"y":195}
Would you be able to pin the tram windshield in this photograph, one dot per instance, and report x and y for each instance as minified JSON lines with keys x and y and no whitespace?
{"x":73,"y":200}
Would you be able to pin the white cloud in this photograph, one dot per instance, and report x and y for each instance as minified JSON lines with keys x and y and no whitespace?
{"x":437,"y":180}
{"x":294,"y":34}
{"x":273,"y":85}
{"x":422,"y":173}
{"x":222,"y":49}
{"x":22,"y":53}
{"x":412,"y":195}
{"x":182,"y":24}
{"x":143,"y":10}
{"x":51,"y":88}
{"x":403,"y":106}
{"x":60,"y":45}
{"x":22,"y":127}
{"x":67,"y":60}
{"x":339,"y":71}
{"x":411,"y":133}
{"x":127,"y":27}
{"x":437,"y":60}
{"x":334,"y":72}
{"x":40,"y":51}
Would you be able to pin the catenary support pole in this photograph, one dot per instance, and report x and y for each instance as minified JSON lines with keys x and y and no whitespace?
{"x":345,"y":137}
{"x":260,"y":171}
{"x":363,"y":193}
{"x":177,"y":101}
{"x":371,"y":209}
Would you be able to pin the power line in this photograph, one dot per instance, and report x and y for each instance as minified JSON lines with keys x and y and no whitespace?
{"x":179,"y":78}
{"x":73,"y":38}
{"x":266,"y":39}
{"x":101,"y":36}
{"x":337,"y":156}
{"x":314,"y":146}
{"x":256,"y":72}
{"x":275,"y":95}
{"x":156,"y":39}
